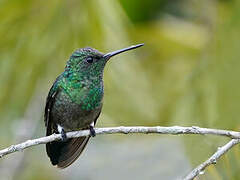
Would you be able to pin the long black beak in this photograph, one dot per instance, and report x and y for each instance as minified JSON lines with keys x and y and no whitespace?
{"x":111,"y":54}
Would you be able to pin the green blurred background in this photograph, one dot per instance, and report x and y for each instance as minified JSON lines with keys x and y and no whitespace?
{"x":186,"y":74}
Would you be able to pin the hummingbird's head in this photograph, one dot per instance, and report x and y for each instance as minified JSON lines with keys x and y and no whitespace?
{"x":89,"y":61}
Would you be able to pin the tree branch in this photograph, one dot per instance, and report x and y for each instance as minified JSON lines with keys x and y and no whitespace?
{"x":173,"y":130}
{"x":212,"y":160}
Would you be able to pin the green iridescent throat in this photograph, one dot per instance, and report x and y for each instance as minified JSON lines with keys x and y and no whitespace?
{"x":83,"y":82}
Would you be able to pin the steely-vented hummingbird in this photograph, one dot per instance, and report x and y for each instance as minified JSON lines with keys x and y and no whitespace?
{"x":75,"y":102}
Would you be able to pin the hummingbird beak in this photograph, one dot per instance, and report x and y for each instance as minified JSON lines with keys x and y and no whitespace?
{"x":111,"y":54}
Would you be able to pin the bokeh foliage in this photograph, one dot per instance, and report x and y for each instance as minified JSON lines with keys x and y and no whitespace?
{"x":186,"y":74}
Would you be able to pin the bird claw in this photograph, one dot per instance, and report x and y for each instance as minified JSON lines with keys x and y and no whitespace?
{"x":62,"y":132}
{"x":63,"y":136}
{"x":92,"y":131}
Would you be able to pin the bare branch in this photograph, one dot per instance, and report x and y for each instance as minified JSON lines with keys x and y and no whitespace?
{"x":212,"y":160}
{"x":174,"y":130}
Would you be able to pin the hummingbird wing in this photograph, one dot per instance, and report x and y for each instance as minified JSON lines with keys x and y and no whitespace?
{"x":60,"y":153}
{"x":49,"y":102}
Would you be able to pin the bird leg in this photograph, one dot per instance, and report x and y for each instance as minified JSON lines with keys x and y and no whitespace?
{"x":62,"y":132}
{"x":92,"y":131}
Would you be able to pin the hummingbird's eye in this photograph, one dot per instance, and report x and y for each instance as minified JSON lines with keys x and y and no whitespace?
{"x":89,"y":59}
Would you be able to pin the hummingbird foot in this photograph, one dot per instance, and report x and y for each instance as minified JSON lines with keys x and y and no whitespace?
{"x":92,"y":131}
{"x":63,"y":136}
{"x":62,"y":132}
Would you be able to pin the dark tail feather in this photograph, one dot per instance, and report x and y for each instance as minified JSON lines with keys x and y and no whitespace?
{"x":64,"y":154}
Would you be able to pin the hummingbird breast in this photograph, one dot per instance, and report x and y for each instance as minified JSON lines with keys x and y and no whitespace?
{"x":75,"y":114}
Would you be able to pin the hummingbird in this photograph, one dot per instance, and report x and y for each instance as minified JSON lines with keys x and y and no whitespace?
{"x":75,"y":101}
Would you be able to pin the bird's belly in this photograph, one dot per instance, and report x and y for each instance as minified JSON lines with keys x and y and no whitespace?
{"x":70,"y":115}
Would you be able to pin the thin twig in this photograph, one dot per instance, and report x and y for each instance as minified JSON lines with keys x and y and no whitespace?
{"x":212,"y":160}
{"x":174,"y":130}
